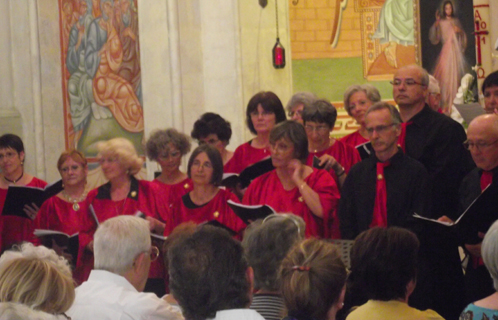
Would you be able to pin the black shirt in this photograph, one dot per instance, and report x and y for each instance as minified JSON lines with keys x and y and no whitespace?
{"x":406,"y":181}
{"x":436,"y":141}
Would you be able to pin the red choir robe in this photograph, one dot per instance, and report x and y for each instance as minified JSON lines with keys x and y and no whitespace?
{"x":184,"y":210}
{"x":142,"y":197}
{"x":343,"y":153}
{"x":59,"y":215}
{"x":16,"y":229}
{"x":168,"y":193}
{"x":244,"y":156}
{"x":354,"y":139}
{"x":267,"y":189}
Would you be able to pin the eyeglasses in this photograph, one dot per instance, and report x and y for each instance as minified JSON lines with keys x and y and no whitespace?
{"x":408,"y":83}
{"x":297,"y":112}
{"x":379,"y":129}
{"x":318,"y":129}
{"x":153,"y":253}
{"x":211,"y":142}
{"x":172,"y":154}
{"x":109,"y":160}
{"x":478,"y":145}
{"x":279,"y":146}
{"x":8,"y":155}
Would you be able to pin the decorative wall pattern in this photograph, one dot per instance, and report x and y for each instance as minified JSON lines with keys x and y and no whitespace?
{"x":101,"y":75}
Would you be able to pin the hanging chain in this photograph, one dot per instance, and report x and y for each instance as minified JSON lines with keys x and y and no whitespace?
{"x":276,"y":15}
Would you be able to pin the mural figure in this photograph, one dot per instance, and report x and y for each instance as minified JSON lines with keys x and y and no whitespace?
{"x":395,"y":27}
{"x":450,"y":65}
{"x":104,"y":87}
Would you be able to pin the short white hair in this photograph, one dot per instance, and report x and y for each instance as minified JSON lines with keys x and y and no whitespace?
{"x":489,"y":251}
{"x":118,"y":241}
{"x":17,"y":311}
{"x":433,"y":85}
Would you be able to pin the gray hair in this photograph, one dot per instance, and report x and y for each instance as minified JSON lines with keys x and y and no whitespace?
{"x":395,"y":116}
{"x":489,"y":251}
{"x":305,"y":98}
{"x":266,"y":243}
{"x":433,"y":85}
{"x":118,"y":241}
{"x":17,"y":311}
{"x":370,"y":91}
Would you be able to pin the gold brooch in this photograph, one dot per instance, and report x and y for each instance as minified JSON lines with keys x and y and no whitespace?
{"x":133,"y":194}
{"x":216,"y":214}
{"x":300,"y":199}
{"x":380,"y":177}
{"x":186,"y":186}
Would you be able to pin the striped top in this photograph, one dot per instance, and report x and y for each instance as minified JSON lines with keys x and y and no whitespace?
{"x":270,"y":306}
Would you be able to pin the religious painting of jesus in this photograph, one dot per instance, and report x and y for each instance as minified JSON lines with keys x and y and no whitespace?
{"x":448,"y":43}
{"x":101,"y":73}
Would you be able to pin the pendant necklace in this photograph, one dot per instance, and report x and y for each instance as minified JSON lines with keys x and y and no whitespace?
{"x":15,"y":180}
{"x":76,"y":205}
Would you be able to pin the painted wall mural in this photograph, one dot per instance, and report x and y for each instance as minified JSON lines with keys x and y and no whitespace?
{"x":100,"y":59}
{"x":447,"y":43}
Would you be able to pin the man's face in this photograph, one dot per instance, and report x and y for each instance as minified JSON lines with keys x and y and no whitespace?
{"x":434,"y":100}
{"x":408,"y":90}
{"x":482,"y":137}
{"x":383,"y":134}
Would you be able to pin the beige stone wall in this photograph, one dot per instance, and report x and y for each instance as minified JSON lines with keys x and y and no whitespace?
{"x":311,"y":24}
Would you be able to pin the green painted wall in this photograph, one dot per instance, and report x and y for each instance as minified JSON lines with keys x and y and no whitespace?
{"x":329,"y":78}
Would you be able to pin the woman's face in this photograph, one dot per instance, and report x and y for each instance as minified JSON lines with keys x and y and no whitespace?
{"x":73,"y":173}
{"x":10,"y":160}
{"x":170,"y":158}
{"x":282,"y":152}
{"x":358,"y":105}
{"x":201,"y":170}
{"x":112,"y":167}
{"x":263,"y":121}
{"x":448,"y":9}
{"x":318,"y":133}
{"x":213,"y":140}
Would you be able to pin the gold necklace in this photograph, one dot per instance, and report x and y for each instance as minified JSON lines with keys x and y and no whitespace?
{"x":76,"y":205}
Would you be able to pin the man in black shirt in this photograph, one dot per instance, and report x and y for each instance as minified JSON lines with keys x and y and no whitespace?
{"x":436,"y":141}
{"x":482,"y":142}
{"x":404,"y":178}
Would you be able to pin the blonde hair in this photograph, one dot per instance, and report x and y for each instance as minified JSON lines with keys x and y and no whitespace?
{"x":125,"y":152}
{"x":313,"y":277}
{"x":36,"y":277}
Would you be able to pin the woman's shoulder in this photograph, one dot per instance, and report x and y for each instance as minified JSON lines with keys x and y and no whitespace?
{"x":36,"y":182}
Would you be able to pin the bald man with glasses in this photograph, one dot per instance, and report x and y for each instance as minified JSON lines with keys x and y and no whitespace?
{"x":482,"y":142}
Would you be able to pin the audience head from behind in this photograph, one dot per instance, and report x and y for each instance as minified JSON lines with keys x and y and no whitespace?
{"x":313,"y":280}
{"x":17,"y":311}
{"x":209,"y":275}
{"x":36,"y":277}
{"x":297,"y":103}
{"x":482,"y":141}
{"x":384,"y":267}
{"x":266,"y":243}
{"x":489,"y":251}
{"x":122,"y":246}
